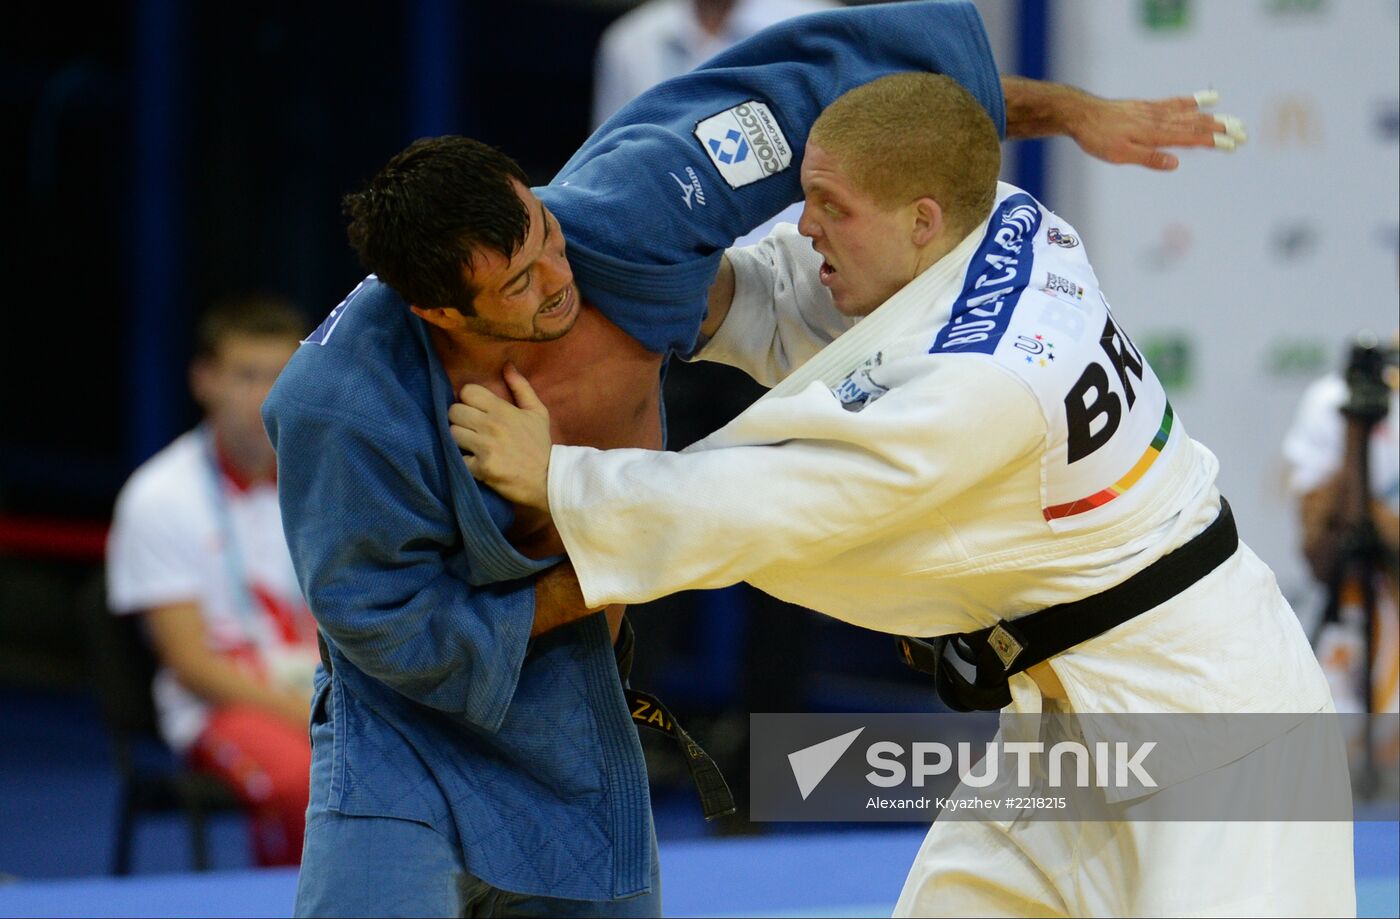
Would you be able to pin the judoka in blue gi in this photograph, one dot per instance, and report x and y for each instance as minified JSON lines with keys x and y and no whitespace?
{"x":462,"y":765}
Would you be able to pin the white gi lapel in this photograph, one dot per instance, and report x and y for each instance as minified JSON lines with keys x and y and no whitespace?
{"x":837,"y":360}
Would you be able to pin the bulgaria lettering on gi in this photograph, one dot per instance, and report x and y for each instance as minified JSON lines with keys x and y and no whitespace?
{"x":996,"y":276}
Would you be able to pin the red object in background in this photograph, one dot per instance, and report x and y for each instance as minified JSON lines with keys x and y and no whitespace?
{"x":40,"y":537}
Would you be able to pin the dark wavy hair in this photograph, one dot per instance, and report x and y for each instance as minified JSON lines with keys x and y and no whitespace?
{"x":419,"y":219}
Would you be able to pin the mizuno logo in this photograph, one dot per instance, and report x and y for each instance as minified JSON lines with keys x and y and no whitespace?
{"x":691,"y":191}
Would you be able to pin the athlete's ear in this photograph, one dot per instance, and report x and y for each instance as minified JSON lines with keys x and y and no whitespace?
{"x":442,"y":317}
{"x":928,"y":221}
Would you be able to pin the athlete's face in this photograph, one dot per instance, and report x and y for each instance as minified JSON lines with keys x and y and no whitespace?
{"x":867,"y":251}
{"x":530,"y":296}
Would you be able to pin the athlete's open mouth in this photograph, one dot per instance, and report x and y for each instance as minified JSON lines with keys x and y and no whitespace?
{"x":827,"y":271}
{"x":562,"y":304}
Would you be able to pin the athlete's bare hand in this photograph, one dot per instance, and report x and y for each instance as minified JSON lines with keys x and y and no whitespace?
{"x":1135,"y":130}
{"x":507,"y":445}
{"x":1131,"y":131}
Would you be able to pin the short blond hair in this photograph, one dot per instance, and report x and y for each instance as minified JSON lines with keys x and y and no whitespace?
{"x":912,"y":135}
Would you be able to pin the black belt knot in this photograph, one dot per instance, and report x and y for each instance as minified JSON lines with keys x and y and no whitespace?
{"x":649,"y":712}
{"x":971,"y":670}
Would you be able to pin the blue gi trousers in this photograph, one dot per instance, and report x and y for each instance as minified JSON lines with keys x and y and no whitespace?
{"x":385,"y":866}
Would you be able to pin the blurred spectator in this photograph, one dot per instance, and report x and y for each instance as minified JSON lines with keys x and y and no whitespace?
{"x":196,"y":547}
{"x":1314,"y":450}
{"x":661,"y":39}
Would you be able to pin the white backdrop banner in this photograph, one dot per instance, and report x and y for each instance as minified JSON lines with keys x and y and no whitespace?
{"x":1244,"y":276}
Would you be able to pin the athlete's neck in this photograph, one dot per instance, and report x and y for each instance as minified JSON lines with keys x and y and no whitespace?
{"x":935,"y":252}
{"x":471,"y":358}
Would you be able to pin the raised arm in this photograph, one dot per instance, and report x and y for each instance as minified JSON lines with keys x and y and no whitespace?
{"x":653,"y":198}
{"x":1120,"y":131}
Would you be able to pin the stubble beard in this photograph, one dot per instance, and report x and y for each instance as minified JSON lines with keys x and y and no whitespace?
{"x":501,"y":332}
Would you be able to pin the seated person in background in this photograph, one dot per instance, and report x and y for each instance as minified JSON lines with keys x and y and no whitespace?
{"x":1314,"y":449}
{"x":196,"y":547}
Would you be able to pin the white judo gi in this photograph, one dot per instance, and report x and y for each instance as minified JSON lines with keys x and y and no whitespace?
{"x":985,"y":444}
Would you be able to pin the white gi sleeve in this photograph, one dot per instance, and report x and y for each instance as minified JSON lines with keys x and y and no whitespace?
{"x":781,"y":314}
{"x":792,"y":482}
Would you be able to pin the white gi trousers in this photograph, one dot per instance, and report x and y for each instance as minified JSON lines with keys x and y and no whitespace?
{"x":1122,"y":863}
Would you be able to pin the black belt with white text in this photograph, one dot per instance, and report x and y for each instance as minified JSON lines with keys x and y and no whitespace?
{"x":971,"y":670}
{"x":649,"y":712}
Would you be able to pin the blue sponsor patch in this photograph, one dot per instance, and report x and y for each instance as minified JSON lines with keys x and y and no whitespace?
{"x":996,"y":276}
{"x":327,"y":326}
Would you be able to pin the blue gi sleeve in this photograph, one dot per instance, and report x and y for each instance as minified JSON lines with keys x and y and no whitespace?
{"x":381,"y":564}
{"x":652,"y":199}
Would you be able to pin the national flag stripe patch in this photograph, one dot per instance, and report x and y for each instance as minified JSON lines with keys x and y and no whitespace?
{"x":1099,"y":499}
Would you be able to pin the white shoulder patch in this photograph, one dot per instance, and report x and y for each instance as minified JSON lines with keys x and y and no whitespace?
{"x":745,"y":143}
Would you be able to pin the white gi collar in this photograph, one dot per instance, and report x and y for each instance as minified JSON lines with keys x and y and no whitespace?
{"x":835,"y":362}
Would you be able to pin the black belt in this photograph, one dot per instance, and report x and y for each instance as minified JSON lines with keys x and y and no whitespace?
{"x":993,"y":655}
{"x":649,"y":712}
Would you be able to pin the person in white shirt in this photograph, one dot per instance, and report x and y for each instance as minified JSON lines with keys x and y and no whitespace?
{"x":660,"y":39}
{"x":196,"y":548}
{"x":960,"y":437}
{"x":1313,"y":449}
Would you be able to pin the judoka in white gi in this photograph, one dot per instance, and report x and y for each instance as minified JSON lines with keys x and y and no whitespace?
{"x":986,"y":443}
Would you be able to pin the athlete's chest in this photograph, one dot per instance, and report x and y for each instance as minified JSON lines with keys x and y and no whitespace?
{"x":602,"y":388}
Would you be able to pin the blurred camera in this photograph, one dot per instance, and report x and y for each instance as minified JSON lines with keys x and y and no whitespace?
{"x":1368,"y":395}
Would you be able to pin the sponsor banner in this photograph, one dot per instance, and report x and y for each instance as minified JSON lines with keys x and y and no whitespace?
{"x":1237,"y":250}
{"x":1060,"y":766}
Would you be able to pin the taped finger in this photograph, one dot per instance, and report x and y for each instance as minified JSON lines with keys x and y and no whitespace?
{"x":1234,"y":127}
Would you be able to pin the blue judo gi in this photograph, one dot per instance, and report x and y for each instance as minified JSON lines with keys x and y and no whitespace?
{"x":440,"y":715}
